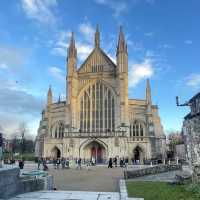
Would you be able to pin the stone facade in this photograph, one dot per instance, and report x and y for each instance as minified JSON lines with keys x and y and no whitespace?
{"x":191,"y":132}
{"x":97,"y":120}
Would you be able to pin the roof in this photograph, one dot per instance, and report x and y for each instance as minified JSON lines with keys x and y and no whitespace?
{"x":97,"y":50}
{"x":195,"y":97}
{"x":190,"y":116}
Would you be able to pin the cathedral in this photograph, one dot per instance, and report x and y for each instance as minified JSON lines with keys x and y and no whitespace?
{"x":98,"y":120}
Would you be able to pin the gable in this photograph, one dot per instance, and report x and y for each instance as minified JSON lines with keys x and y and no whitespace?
{"x":97,"y":61}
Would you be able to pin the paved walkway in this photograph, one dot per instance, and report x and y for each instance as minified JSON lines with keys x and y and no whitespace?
{"x":68,"y":195}
{"x":98,"y":178}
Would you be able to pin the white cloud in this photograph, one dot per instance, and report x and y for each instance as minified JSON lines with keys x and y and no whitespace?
{"x":150,"y":1}
{"x":87,"y":31}
{"x":83,"y":50}
{"x":168,"y":46}
{"x":61,"y":44}
{"x":17,"y":105}
{"x":193,"y":80}
{"x":118,"y":7}
{"x":140,"y":71}
{"x":3,"y":66}
{"x":57,"y":73}
{"x":112,"y":57}
{"x":189,"y":42}
{"x":40,"y":10}
{"x":10,"y":58}
{"x":149,"y":34}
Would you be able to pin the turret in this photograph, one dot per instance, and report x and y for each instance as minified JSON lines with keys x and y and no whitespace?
{"x":71,"y":65}
{"x":122,"y":53}
{"x":122,"y":74}
{"x":72,"y":83}
{"x":148,"y":96}
{"x":72,"y":56}
{"x":49,"y":96}
{"x":97,"y":37}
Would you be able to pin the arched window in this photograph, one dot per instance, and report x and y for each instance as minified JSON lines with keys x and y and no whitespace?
{"x":137,"y":129}
{"x":58,"y":130}
{"x":97,"y":109}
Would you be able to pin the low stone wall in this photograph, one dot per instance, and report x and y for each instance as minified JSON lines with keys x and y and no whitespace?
{"x":150,"y":170}
{"x":9,"y":181}
{"x":11,"y":184}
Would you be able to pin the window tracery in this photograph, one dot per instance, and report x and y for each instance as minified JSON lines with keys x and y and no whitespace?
{"x":97,"y":109}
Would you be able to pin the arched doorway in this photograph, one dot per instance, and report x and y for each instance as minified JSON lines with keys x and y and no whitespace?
{"x":55,"y":152}
{"x":95,"y":151}
{"x":138,"y":155}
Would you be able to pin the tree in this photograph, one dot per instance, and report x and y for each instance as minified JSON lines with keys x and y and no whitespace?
{"x":22,"y":132}
{"x":174,"y":139}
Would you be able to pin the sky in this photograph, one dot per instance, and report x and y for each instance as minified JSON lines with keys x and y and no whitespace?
{"x":163,"y":40}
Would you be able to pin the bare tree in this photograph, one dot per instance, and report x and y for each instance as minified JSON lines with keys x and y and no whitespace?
{"x":23,"y":130}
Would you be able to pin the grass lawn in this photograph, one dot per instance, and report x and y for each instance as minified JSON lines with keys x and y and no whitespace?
{"x":158,"y":191}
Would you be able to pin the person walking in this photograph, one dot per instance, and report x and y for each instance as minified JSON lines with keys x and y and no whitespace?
{"x":58,"y":163}
{"x":115,"y":161}
{"x":21,"y":164}
{"x":88,"y":164}
{"x":79,"y":163}
{"x":45,"y":167}
{"x":63,"y":162}
{"x":110,"y":162}
{"x":39,"y":163}
{"x":126,"y":162}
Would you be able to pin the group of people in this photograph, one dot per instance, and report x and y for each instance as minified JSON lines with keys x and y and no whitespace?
{"x":60,"y":161}
{"x":123,"y":162}
{"x":66,"y":163}
{"x":43,"y":162}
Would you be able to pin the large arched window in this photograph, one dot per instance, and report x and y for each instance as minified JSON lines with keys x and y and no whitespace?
{"x":97,"y":109}
{"x":58,"y":130}
{"x":137,"y":129}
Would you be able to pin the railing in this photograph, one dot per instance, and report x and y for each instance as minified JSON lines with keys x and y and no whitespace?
{"x":96,"y":134}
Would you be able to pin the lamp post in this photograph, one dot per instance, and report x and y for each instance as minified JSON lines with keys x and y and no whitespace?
{"x":1,"y":150}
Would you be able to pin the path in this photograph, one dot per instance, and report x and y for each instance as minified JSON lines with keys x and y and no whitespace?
{"x":68,"y":195}
{"x":99,"y":178}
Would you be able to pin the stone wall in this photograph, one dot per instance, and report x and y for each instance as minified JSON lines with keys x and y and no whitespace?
{"x":12,"y":184}
{"x":151,"y":170}
{"x":9,"y":181}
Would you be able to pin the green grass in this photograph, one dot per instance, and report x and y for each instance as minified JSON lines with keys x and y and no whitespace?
{"x":159,"y":191}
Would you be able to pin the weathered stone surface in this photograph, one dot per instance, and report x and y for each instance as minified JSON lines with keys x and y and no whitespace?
{"x":9,"y":181}
{"x":11,"y":184}
{"x":151,"y":170}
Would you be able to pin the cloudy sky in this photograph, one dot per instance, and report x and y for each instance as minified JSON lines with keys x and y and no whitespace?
{"x":163,"y":45}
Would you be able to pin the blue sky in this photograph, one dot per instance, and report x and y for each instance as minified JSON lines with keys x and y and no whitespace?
{"x":163,"y":45}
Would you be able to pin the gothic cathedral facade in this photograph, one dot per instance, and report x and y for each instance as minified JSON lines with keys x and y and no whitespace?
{"x":98,"y":120}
